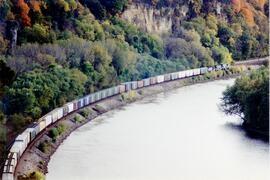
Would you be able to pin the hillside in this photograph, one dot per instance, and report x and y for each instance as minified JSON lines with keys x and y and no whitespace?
{"x":52,"y":51}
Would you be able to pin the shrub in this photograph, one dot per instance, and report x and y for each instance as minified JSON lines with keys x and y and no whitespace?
{"x":53,"y":133}
{"x":61,"y":128}
{"x":44,"y":146}
{"x":86,"y":112}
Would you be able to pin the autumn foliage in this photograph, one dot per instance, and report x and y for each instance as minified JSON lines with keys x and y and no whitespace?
{"x":24,"y":10}
{"x":241,"y":6}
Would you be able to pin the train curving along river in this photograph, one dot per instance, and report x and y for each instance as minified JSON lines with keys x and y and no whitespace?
{"x":180,"y":134}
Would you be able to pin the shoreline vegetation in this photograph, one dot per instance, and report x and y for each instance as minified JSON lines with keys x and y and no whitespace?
{"x":37,"y":156}
{"x":248,"y":98}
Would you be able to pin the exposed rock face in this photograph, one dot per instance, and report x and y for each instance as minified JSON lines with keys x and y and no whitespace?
{"x":163,"y":20}
{"x":153,"y":20}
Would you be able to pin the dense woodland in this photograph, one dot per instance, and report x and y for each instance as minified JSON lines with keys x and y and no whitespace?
{"x":249,"y":99}
{"x":52,"y":51}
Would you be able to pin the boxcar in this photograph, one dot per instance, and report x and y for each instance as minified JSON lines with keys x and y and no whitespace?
{"x":153,"y":80}
{"x":91,"y":98}
{"x":174,"y":76}
{"x":48,"y":118}
{"x":128,"y":86}
{"x":42,"y":125}
{"x":218,"y":67}
{"x":116,"y":90}
{"x":167,"y":77}
{"x":210,"y":69}
{"x":122,"y":88}
{"x":187,"y":73}
{"x":146,"y":82}
{"x":60,"y":112}
{"x":140,"y":84}
{"x":102,"y":94}
{"x":32,"y":133}
{"x":86,"y":100}
{"x":70,"y":107}
{"x":23,"y":139}
{"x":65,"y":110}
{"x":17,"y":149}
{"x":134,"y":85}
{"x":181,"y":74}
{"x":54,"y":114}
{"x":75,"y":105}
{"x":80,"y":103}
{"x":196,"y":71}
{"x":203,"y":70}
{"x":97,"y":96}
{"x":160,"y":79}
{"x":7,"y":176}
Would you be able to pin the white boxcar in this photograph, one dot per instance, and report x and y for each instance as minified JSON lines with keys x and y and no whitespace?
{"x":196,"y":71}
{"x":181,"y":74}
{"x":48,"y":118}
{"x":22,"y":139}
{"x":174,"y":76}
{"x":70,"y":107}
{"x":146,"y":82}
{"x":134,"y":85}
{"x":116,"y":90}
{"x":102,"y":94}
{"x":160,"y":79}
{"x":17,"y":148}
{"x":97,"y":96}
{"x":203,"y":70}
{"x":86,"y":100}
{"x":60,"y":112}
{"x":42,"y":125}
{"x":80,"y":103}
{"x":7,"y":176}
{"x":91,"y":98}
{"x":32,"y":133}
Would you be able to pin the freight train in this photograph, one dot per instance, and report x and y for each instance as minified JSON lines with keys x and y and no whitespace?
{"x":22,"y":141}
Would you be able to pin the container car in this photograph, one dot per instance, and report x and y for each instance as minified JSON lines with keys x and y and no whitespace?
{"x":160,"y":79}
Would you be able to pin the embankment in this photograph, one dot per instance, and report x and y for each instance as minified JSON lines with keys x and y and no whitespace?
{"x":37,"y":155}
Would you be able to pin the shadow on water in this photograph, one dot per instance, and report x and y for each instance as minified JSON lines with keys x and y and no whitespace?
{"x":253,"y":135}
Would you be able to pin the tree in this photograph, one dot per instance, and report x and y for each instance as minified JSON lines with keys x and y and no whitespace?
{"x":249,"y":99}
{"x":24,"y":10}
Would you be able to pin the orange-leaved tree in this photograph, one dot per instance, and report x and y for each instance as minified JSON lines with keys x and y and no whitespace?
{"x":24,"y":10}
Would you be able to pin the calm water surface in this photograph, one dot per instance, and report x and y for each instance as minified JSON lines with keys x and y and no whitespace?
{"x":178,"y":135}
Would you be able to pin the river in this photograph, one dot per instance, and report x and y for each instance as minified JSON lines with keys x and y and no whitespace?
{"x":177,"y":135}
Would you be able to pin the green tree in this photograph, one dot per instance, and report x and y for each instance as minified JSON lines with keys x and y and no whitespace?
{"x":249,"y":99}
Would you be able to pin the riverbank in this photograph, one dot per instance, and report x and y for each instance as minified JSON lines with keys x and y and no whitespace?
{"x":38,"y":154}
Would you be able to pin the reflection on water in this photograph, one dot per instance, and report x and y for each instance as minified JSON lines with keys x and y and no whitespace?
{"x":176,"y":135}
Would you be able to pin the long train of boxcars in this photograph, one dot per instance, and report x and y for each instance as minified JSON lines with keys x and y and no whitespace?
{"x":22,"y":141}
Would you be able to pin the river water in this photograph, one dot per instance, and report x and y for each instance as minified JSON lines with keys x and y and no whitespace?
{"x":177,"y":135}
